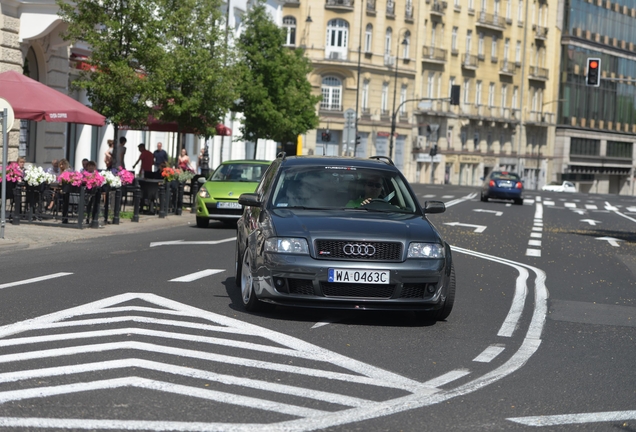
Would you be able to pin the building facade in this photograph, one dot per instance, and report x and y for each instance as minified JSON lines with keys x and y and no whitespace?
{"x":385,"y":59}
{"x":596,"y":125}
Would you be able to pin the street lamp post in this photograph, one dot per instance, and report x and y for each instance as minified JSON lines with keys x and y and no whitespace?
{"x":394,"y":114}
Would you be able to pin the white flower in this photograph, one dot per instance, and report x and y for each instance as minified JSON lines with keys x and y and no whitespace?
{"x":35,"y":176}
{"x":111,"y":179}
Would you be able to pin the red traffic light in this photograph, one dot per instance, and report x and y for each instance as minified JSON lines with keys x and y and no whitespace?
{"x":593,"y":64}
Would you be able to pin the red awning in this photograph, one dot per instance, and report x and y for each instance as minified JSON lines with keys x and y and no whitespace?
{"x":32,"y":100}
{"x":223,"y":130}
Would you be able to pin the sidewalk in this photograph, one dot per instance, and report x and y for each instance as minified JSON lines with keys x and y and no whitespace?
{"x":38,"y":235}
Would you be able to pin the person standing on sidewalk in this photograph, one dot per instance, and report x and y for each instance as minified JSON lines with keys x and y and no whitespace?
{"x":146,"y":158}
{"x":121,"y":153}
{"x":160,"y":156}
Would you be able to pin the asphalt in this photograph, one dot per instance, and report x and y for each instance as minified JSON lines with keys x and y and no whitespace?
{"x":43,"y":234}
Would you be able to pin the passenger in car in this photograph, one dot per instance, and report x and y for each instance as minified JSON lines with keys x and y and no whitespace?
{"x":372,"y":190}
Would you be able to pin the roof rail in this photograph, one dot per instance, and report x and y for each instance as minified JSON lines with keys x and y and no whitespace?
{"x":281,"y":155}
{"x":383,"y":158}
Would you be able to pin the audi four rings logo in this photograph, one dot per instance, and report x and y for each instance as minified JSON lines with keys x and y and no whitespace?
{"x":358,"y":249}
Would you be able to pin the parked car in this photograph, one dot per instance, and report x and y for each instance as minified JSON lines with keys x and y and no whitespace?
{"x":217,"y":198}
{"x":503,"y":185}
{"x":310,"y":236}
{"x":566,"y":186}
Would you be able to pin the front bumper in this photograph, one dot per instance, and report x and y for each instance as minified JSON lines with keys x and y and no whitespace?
{"x":207,"y":208}
{"x":302,"y":281}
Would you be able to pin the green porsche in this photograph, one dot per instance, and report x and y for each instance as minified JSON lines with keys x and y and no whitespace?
{"x":217,"y":198}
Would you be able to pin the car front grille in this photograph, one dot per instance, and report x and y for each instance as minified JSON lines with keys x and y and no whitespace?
{"x":356,"y":290}
{"x":217,"y":211}
{"x":334,"y":249}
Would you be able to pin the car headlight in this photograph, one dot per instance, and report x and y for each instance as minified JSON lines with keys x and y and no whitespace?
{"x":203,"y":192}
{"x":426,"y":250}
{"x":287,"y":245}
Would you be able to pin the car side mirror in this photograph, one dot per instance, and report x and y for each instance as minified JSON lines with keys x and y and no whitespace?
{"x":249,"y":200}
{"x":434,"y":207}
{"x":201,"y":180}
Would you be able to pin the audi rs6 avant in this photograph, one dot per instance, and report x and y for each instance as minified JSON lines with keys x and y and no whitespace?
{"x":341,"y":233}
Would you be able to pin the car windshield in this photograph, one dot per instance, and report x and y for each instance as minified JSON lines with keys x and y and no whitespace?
{"x":342,"y":187}
{"x":505,"y":176}
{"x":239,"y":172}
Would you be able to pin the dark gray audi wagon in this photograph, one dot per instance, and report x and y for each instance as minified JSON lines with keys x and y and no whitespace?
{"x":341,"y":233}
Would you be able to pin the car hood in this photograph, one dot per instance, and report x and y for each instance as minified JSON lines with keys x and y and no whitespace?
{"x":229,"y":190}
{"x":353,"y":224}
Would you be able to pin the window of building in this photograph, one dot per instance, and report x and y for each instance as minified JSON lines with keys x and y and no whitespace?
{"x":480,"y":45}
{"x":451,"y":83}
{"x":508,"y":9}
{"x":337,"y":33}
{"x":430,"y":82}
{"x":493,"y":48}
{"x":619,"y":149}
{"x":454,"y":39}
{"x":368,"y":38}
{"x":491,"y":95}
{"x":478,"y":93}
{"x":504,"y":95}
{"x":518,"y":52}
{"x":289,"y":25}
{"x":469,"y":41}
{"x":585,"y":147}
{"x":385,"y":98}
{"x":365,"y":95}
{"x":433,"y":34}
{"x":402,"y":99}
{"x":515,"y":100}
{"x":466,"y":91}
{"x":406,"y":46}
{"x":331,"y":93}
{"x":388,"y":36}
{"x":506,"y":54}
{"x":520,"y":12}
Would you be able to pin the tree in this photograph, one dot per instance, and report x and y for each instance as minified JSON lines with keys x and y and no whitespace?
{"x":275,"y":95}
{"x":198,"y":85}
{"x":125,"y":49}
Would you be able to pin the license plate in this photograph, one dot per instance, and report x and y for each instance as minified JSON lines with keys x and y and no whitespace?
{"x":359,"y":276}
{"x":228,"y":205}
{"x":507,"y":184}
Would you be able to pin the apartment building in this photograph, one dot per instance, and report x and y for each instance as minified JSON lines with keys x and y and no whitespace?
{"x":596,"y":125}
{"x":394,"y":63}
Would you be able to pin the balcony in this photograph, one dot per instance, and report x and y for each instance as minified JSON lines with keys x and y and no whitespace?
{"x":434,"y":55}
{"x":469,"y":61}
{"x":538,"y":73}
{"x":540,"y":118}
{"x":336,"y":55}
{"x":540,"y":33}
{"x":490,"y":21}
{"x":438,"y":8}
{"x":343,"y":5}
{"x":389,"y":60}
{"x":506,"y":67}
{"x":390,"y":9}
{"x":292,"y":3}
{"x":371,"y":7}
{"x":409,"y":14}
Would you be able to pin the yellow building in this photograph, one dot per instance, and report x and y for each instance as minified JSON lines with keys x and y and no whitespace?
{"x":378,"y":58}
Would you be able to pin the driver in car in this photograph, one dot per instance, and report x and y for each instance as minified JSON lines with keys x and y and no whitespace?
{"x":372,"y":190}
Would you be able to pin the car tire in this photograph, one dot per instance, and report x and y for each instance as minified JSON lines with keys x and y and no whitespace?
{"x":484,"y":198}
{"x":203,"y":222}
{"x":248,"y":296}
{"x":519,"y":201}
{"x":446,"y":309}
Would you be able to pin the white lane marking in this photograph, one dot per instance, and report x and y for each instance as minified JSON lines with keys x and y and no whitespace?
{"x":564,"y":419}
{"x":489,"y":354}
{"x":172,"y":369}
{"x":149,"y":384}
{"x":537,"y":228}
{"x":322,"y":323}
{"x":429,"y":196}
{"x":198,"y":275}
{"x":183,"y":242}
{"x":579,"y":211}
{"x":538,"y":199}
{"x":496,"y":213}
{"x":591,"y":221}
{"x":478,"y":228}
{"x":611,"y":240}
{"x":570,"y":205}
{"x":460,"y":200}
{"x":536,"y":235}
{"x":534,"y":243}
{"x":33,"y":280}
{"x":533,"y":252}
{"x":591,"y":207}
{"x":448,"y":196}
{"x":447,"y":377}
{"x":631,"y":209}
{"x":609,"y":207}
{"x":422,"y":395}
{"x":548,"y":203}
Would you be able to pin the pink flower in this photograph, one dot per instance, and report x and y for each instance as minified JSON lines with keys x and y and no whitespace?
{"x":126,"y":176}
{"x":70,"y":177}
{"x":92,"y":180}
{"x":14,"y":173}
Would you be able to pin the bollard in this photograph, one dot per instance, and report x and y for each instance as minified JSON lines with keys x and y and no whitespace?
{"x":194,"y":190}
{"x":117,"y":206}
{"x":97,"y":197}
{"x":136,"y":202}
{"x":81,"y":207}
{"x":179,"y":205}
{"x":162,"y":200}
{"x":107,"y":191}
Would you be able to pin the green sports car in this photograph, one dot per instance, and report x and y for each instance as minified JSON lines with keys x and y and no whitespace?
{"x":217,"y":198}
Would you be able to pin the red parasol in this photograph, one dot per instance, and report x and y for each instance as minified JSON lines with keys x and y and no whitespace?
{"x":32,"y":100}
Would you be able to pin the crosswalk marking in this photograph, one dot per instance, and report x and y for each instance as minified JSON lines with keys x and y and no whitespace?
{"x":591,"y":207}
{"x":489,"y":354}
{"x":533,"y":252}
{"x":33,"y":280}
{"x":198,"y":275}
{"x":570,"y":205}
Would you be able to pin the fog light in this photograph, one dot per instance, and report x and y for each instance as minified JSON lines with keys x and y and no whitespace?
{"x":431,"y":288}
{"x":279,"y":282}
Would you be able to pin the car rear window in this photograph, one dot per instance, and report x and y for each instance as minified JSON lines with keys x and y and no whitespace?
{"x":505,"y":176}
{"x":240,"y":172}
